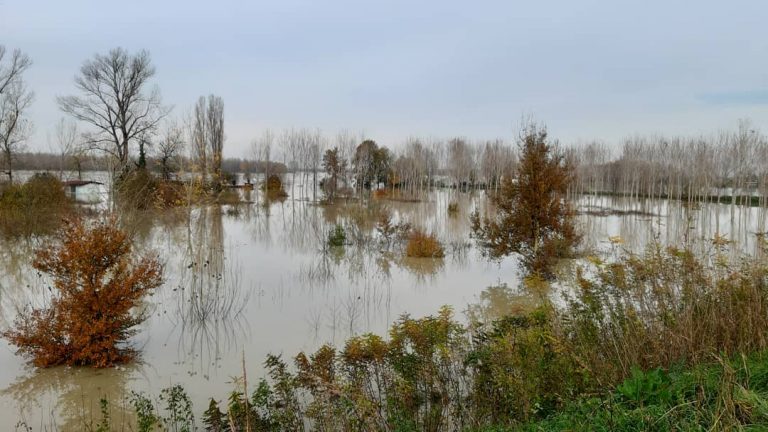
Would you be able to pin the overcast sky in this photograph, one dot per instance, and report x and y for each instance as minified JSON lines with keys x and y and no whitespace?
{"x":588,"y":69}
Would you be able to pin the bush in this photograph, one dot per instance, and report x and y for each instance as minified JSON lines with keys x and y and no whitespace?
{"x":140,"y":189}
{"x":422,"y":245}
{"x":169,"y":193}
{"x":136,"y":189}
{"x":229,"y":196}
{"x":273,"y":187}
{"x":453,"y":208}
{"x":35,"y":207}
{"x":519,"y":369}
{"x":97,"y":286}
{"x":337,"y":236}
{"x":664,"y":307}
{"x":392,"y":232}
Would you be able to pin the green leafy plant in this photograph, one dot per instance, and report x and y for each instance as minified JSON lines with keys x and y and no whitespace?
{"x":646,"y":388}
{"x":146,"y":417}
{"x":178,"y":407}
{"x":337,"y":236}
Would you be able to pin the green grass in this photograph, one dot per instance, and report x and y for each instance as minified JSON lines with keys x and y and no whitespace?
{"x":726,"y":395}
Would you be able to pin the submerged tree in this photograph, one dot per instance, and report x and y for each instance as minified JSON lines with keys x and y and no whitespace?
{"x":215,"y":135}
{"x":98,"y":286}
{"x":534,"y":218}
{"x":114,"y":99}
{"x":372,"y":164}
{"x":67,"y":141}
{"x":262,"y":150}
{"x":169,"y":149}
{"x":198,"y":139}
{"x":335,"y":166}
{"x":208,"y":137}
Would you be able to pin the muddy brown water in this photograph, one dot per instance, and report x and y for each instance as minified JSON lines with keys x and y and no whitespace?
{"x":253,"y":279}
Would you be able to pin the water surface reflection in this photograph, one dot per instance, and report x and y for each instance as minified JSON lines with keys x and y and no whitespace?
{"x":252,"y":278}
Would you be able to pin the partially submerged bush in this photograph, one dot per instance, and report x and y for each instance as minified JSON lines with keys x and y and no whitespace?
{"x":423,"y":245}
{"x":97,"y":286}
{"x":136,"y":189}
{"x":170,"y":193}
{"x":273,"y":187}
{"x":390,"y":231}
{"x":35,"y":207}
{"x":229,"y":196}
{"x":140,"y":189}
{"x":453,"y":208}
{"x":337,"y":236}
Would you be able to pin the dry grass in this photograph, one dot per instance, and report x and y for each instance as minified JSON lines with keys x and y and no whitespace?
{"x":666,"y":307}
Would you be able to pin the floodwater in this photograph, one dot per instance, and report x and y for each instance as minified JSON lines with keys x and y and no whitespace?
{"x":246,"y":280}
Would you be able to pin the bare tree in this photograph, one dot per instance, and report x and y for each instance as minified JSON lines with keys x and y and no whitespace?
{"x":215,"y":134}
{"x":169,"y":148}
{"x":346,"y":143}
{"x":290,"y":147}
{"x":10,"y":73}
{"x":67,"y":142}
{"x":115,"y":101}
{"x":199,"y":139}
{"x":261,"y":150}
{"x":315,"y":157}
{"x":461,"y":163}
{"x":15,"y":127}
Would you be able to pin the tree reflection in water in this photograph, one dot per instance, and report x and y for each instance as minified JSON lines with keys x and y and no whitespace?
{"x":65,"y":398}
{"x":210,"y":296}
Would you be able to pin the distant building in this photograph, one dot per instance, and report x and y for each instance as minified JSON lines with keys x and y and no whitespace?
{"x":85,"y":191}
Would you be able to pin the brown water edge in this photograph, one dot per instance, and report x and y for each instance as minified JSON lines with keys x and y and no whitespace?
{"x":258,"y":280}
{"x":68,"y":399}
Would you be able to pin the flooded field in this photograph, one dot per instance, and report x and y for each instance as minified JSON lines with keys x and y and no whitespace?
{"x":245,"y":280}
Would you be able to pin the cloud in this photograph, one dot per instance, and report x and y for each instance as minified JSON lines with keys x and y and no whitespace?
{"x":746,"y":97}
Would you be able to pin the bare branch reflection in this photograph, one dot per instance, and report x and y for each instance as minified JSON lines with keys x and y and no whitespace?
{"x":210,"y":295}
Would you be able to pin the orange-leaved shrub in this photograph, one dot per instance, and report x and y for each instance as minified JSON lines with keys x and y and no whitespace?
{"x":423,"y":245}
{"x":273,"y":187}
{"x":97,"y":286}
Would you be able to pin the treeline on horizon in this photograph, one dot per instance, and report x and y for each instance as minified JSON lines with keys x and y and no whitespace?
{"x":730,"y":164}
{"x":51,"y":162}
{"x":145,"y":134}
